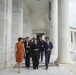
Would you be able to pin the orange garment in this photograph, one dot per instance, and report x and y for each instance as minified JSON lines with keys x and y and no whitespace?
{"x":19,"y":52}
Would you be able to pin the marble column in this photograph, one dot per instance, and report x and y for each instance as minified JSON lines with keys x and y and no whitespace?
{"x":54,"y":27}
{"x":5,"y":33}
{"x":17,"y":20}
{"x":25,"y":20}
{"x":63,"y":32}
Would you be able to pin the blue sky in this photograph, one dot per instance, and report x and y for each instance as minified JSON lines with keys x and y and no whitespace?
{"x":72,"y":11}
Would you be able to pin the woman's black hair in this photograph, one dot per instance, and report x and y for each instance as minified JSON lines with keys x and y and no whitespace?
{"x":34,"y":40}
{"x":20,"y":38}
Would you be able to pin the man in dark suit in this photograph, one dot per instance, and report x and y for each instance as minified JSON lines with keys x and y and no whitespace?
{"x":41,"y":43}
{"x":27,"y":45}
{"x":48,"y":48}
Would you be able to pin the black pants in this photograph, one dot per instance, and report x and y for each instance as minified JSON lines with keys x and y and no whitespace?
{"x":35,"y":61}
{"x":41,"y":55}
{"x":32,"y":54}
{"x":27,"y":60}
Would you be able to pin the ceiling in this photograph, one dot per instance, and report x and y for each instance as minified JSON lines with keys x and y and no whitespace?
{"x":37,"y":4}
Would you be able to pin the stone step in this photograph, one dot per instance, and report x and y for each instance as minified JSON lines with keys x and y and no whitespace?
{"x":40,"y":65}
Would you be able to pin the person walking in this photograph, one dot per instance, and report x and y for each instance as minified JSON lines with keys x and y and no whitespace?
{"x":41,"y":43}
{"x":27,"y":46}
{"x":19,"y":53}
{"x":48,"y":48}
{"x":35,"y":48}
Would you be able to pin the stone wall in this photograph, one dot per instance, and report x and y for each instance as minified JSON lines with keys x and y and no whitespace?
{"x":39,"y":22}
{"x":5,"y":32}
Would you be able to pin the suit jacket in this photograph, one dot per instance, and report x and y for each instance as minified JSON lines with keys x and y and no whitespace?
{"x":41,"y":43}
{"x":27,"y":49}
{"x":50,"y":46}
{"x":35,"y":46}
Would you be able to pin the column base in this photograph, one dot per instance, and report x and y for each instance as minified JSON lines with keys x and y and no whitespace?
{"x":10,"y":63}
{"x":68,"y":65}
{"x":59,"y":62}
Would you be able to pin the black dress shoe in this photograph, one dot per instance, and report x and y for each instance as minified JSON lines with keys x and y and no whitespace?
{"x":46,"y":68}
{"x":37,"y":67}
{"x":34,"y":68}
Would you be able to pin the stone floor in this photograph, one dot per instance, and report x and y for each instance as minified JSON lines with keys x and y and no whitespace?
{"x":41,"y":71}
{"x":53,"y":70}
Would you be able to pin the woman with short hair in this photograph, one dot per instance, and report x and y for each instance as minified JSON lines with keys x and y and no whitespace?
{"x":35,"y":48}
{"x":19,"y":52}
